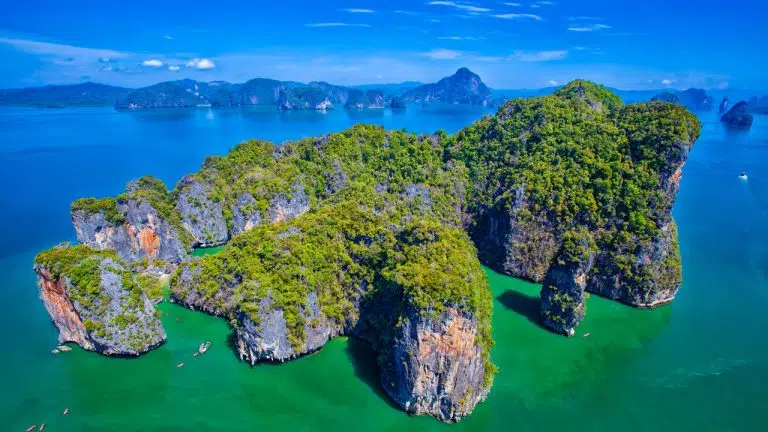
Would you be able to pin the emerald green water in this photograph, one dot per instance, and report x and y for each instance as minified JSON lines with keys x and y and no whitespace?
{"x":699,"y":364}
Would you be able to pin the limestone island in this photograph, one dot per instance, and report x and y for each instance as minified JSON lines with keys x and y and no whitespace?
{"x":380,"y":235}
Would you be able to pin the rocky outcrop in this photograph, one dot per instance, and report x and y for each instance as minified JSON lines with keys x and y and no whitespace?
{"x":114,"y":317}
{"x":515,"y":240}
{"x":185,"y":289}
{"x":269,"y":339}
{"x":203,"y":217}
{"x":436,"y":365}
{"x":724,"y":105}
{"x":285,"y":207}
{"x":738,"y":116}
{"x":140,"y":233}
{"x":654,"y":277}
{"x":562,"y":294}
{"x":463,"y":87}
{"x":245,"y":214}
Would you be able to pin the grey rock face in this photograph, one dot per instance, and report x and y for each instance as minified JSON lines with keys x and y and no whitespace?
{"x":116,"y":322}
{"x":658,"y":261}
{"x":283,"y":208}
{"x":186,"y":290}
{"x":436,"y":366}
{"x":268,"y":340}
{"x":245,"y":214}
{"x":514,"y":240}
{"x":337,"y":178}
{"x":144,"y":234}
{"x":562,"y":294}
{"x":202,"y":217}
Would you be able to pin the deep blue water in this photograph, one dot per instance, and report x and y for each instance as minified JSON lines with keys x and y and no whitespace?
{"x":710,"y":352}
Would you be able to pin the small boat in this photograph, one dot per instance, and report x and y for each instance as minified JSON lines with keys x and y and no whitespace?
{"x":179,"y":365}
{"x":743,"y":176}
{"x":204,"y":347}
{"x":42,"y":426}
{"x":31,"y":428}
{"x":63,"y":348}
{"x":587,"y":334}
{"x":66,"y":411}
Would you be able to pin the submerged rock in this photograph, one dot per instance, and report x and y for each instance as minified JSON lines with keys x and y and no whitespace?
{"x":96,"y":303}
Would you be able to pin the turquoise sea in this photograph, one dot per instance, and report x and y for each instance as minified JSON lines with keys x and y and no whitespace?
{"x":699,"y":364}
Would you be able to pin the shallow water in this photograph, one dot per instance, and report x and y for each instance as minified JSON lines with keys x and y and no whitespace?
{"x":699,"y":364}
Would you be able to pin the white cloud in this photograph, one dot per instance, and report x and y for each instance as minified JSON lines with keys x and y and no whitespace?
{"x":174,"y":68}
{"x":511,"y":4}
{"x":584,"y":18}
{"x":515,"y":16}
{"x":107,"y":68}
{"x":168,"y":37}
{"x":442,"y":54}
{"x":201,"y":64}
{"x":553,"y":83}
{"x":667,"y":82}
{"x":461,"y":38}
{"x":335,"y":24}
{"x":463,"y":6}
{"x":489,"y":59}
{"x":74,"y":53}
{"x":405,"y":12}
{"x":356,"y":10}
{"x":539,"y":56}
{"x":588,"y":27}
{"x":152,"y":63}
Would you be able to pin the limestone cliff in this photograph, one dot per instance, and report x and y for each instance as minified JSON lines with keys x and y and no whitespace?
{"x":96,"y":303}
{"x":132,"y":224}
{"x":203,"y":217}
{"x":434,"y":352}
{"x":436,"y":366}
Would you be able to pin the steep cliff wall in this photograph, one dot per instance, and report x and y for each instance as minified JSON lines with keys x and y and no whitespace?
{"x":414,"y":290}
{"x":96,"y":303}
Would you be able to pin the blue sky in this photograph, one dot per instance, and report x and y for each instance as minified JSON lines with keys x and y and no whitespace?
{"x":511,"y":44}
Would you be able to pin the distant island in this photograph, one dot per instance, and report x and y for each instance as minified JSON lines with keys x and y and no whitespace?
{"x":464,"y":87}
{"x":380,"y":235}
{"x":694,"y":99}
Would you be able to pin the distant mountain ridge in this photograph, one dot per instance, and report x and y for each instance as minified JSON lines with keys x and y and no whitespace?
{"x":464,"y":87}
{"x":56,"y":96}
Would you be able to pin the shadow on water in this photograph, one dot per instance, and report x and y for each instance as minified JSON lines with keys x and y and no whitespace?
{"x":529,"y":307}
{"x":363,"y":360}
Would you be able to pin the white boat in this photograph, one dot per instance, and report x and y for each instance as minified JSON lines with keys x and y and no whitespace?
{"x":743,"y":176}
{"x":204,"y":347}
